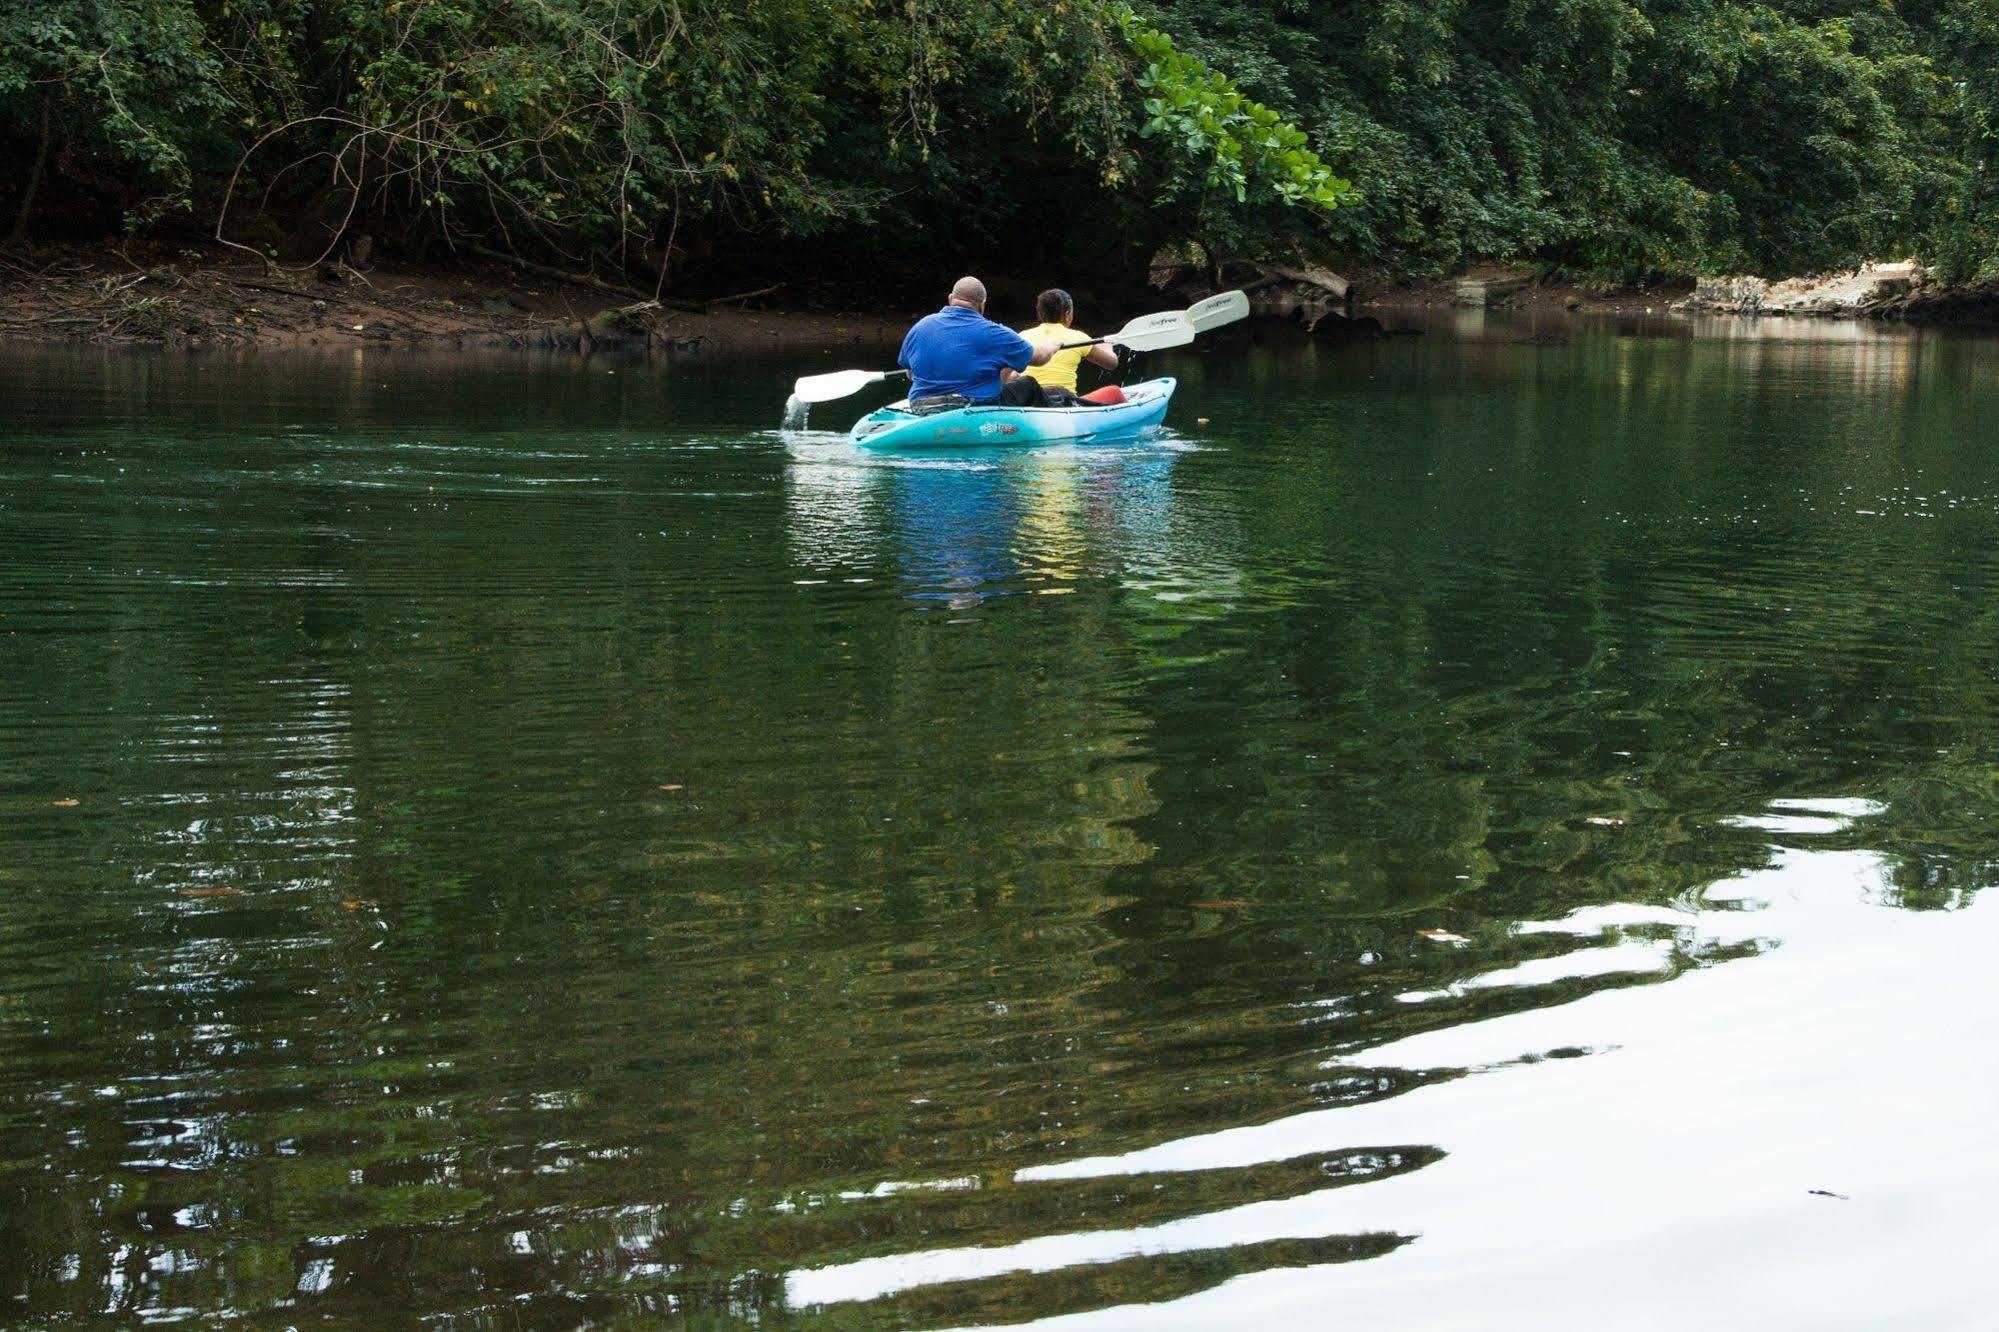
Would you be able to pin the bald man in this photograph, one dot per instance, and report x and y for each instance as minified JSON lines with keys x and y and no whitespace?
{"x":960,"y":351}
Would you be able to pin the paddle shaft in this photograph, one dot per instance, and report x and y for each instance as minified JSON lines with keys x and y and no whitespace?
{"x":1108,"y":337}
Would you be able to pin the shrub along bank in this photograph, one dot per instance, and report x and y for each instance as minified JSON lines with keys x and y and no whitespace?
{"x":668,"y":144}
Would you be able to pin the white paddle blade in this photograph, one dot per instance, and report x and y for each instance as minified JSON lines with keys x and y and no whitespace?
{"x":1224,"y":308}
{"x":1156,"y":332}
{"x":838,"y":384}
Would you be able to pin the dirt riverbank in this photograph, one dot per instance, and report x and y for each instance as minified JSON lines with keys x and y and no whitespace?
{"x":212,"y":297}
{"x":194,"y":296}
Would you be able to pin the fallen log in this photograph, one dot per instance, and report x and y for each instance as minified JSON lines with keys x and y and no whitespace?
{"x":1302,"y":293}
{"x":1310,"y":275}
{"x":560,"y":274}
{"x":739,"y":296}
{"x":617,"y":289}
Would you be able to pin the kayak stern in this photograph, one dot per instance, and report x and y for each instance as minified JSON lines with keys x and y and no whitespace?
{"x":894,"y":428}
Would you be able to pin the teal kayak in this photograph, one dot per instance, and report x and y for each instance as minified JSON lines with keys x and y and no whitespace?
{"x":895,"y":427}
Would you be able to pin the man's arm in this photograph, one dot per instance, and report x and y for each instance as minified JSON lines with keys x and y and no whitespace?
{"x":1102,"y":355}
{"x":1017,"y":352}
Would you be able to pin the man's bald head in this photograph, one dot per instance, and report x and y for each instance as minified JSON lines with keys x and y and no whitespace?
{"x":969,"y":292}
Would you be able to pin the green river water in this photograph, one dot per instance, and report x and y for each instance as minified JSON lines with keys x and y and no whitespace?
{"x":524,"y":843}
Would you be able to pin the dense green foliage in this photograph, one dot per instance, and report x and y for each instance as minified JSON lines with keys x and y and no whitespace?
{"x":1965,"y":236}
{"x":1612,"y":137}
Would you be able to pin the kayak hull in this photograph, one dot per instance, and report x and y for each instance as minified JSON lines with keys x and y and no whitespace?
{"x":894,"y":430}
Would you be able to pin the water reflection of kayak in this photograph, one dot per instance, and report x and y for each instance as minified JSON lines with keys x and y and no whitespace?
{"x":895,"y":428}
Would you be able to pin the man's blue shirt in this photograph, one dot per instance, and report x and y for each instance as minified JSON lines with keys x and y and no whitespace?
{"x":958,"y":350}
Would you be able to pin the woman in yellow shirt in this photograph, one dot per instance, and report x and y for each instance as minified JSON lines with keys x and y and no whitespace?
{"x":1056,"y":310}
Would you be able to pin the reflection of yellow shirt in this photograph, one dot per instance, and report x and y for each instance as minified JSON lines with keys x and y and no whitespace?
{"x":1060,"y":372}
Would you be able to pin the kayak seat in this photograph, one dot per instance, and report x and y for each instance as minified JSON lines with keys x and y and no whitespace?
{"x":943,"y":402}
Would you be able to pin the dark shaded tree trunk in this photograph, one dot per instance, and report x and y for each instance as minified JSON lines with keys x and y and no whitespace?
{"x":20,"y":231}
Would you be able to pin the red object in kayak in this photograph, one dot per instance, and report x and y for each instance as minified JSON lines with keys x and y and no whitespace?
{"x":1110,"y":395}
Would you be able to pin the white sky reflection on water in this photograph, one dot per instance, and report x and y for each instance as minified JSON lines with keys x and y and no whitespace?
{"x":1664,"y":1180}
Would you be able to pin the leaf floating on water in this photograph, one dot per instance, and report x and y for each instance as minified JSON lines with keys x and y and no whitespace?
{"x":68,"y":802}
{"x":360,"y":902}
{"x":219,"y":890}
{"x":1443,"y":936}
{"x":1602,"y":822}
{"x":1220,"y":904}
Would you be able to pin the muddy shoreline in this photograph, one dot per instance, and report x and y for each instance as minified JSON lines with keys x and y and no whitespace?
{"x":192,"y":298}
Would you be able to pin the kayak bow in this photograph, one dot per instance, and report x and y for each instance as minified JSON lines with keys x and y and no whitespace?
{"x":895,"y":427}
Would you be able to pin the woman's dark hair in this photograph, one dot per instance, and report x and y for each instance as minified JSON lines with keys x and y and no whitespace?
{"x":1051,"y":305}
